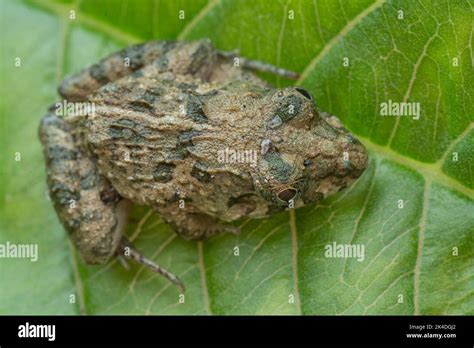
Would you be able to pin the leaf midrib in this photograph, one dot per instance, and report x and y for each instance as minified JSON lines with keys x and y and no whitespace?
{"x":202,"y":271}
{"x":294,"y":260}
{"x":337,"y":38}
{"x":197,"y":18}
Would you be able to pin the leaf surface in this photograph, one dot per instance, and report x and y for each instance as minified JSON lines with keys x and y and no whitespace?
{"x":412,"y":210}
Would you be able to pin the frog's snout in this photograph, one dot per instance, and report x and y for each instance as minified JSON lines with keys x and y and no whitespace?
{"x":355,"y":156}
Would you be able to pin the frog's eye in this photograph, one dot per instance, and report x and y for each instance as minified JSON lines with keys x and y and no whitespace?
{"x":287,"y":194}
{"x":307,"y":162}
{"x":304,"y":92}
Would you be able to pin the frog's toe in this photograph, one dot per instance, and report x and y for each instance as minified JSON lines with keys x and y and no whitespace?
{"x":232,"y":229}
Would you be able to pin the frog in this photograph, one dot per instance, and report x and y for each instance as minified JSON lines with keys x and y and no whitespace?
{"x":193,"y":133}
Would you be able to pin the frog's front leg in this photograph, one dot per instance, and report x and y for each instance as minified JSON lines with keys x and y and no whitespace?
{"x":87,"y":205}
{"x":192,"y":224}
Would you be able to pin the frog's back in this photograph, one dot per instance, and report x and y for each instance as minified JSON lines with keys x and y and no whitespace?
{"x":157,"y":143}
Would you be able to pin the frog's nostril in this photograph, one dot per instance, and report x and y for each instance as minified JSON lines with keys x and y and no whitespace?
{"x":355,"y":163}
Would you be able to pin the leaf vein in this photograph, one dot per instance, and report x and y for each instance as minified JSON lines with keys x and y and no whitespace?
{"x":337,"y":38}
{"x":202,"y":271}
{"x":419,"y":255}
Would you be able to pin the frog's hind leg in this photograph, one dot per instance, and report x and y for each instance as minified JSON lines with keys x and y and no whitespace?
{"x":79,"y":86}
{"x":90,"y":209}
{"x":93,"y":217}
{"x":257,"y":65}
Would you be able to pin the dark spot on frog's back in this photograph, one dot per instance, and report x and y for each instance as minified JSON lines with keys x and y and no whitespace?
{"x":99,"y":73}
{"x":187,"y":86}
{"x":88,"y":181}
{"x":154,"y":92}
{"x":201,"y":53}
{"x":186,"y":138}
{"x":61,"y":153}
{"x":161,"y":64}
{"x":115,"y":132}
{"x":126,"y":122}
{"x":164,"y":172}
{"x":289,"y":107}
{"x":280,"y":169}
{"x":179,"y":152}
{"x":141,"y":105}
{"x":325,"y":130}
{"x":144,"y":100}
{"x":122,"y":128}
{"x":128,"y":134}
{"x":62,"y":195}
{"x":137,"y":74}
{"x":135,"y":55}
{"x":194,"y":109}
{"x":52,"y":121}
{"x":199,"y":172}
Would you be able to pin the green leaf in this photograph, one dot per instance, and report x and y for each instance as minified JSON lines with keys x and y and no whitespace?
{"x":412,"y":210}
